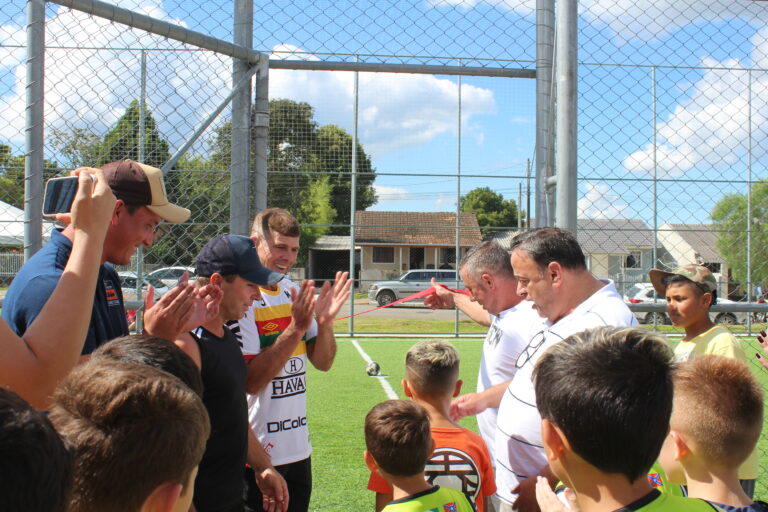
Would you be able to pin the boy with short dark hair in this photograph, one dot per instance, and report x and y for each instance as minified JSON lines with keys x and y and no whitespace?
{"x":137,"y":433}
{"x":691,"y":291}
{"x":399,"y":443}
{"x":460,"y":459}
{"x":605,"y":398}
{"x":153,"y":351}
{"x":35,"y":466}
{"x":717,"y":416}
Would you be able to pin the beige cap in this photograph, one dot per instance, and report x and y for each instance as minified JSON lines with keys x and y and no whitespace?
{"x":696,"y":273}
{"x":137,"y":183}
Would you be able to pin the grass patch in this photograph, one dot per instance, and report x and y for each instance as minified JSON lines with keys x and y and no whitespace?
{"x":339,"y":400}
{"x":417,"y":326}
{"x":337,"y":403}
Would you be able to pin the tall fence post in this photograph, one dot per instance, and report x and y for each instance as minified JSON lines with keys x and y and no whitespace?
{"x":749,"y":197}
{"x":239,"y":214}
{"x":565,"y":121}
{"x":458,"y":200}
{"x":353,"y":200}
{"x":261,"y":137}
{"x":34,"y":129}
{"x":545,"y":38}
{"x":142,"y":158}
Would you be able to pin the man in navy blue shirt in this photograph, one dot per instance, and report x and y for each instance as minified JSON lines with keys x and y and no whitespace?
{"x":141,"y":205}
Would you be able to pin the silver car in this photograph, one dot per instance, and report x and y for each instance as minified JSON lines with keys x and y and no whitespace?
{"x":413,"y":281}
{"x":643,"y":292}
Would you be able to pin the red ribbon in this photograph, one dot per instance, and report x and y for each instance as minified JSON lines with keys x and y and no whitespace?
{"x":417,"y":295}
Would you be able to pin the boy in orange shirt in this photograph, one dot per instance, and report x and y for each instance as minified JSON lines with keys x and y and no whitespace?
{"x":460,"y":459}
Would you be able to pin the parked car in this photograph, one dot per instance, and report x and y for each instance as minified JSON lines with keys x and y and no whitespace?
{"x":413,"y":281}
{"x":128,"y":280}
{"x":644,"y":292}
{"x":170,"y":275}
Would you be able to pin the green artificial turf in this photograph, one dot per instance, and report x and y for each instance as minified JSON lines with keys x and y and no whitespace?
{"x":339,"y":400}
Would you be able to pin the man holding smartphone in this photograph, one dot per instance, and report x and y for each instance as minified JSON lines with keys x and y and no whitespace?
{"x":141,"y":204}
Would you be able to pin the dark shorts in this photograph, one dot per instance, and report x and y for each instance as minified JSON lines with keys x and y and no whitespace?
{"x":298,"y":477}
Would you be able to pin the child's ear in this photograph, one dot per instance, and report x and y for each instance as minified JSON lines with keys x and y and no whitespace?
{"x":163,"y":498}
{"x":370,"y":461}
{"x":406,"y":388}
{"x":457,"y":389}
{"x":681,"y":447}
{"x":555,"y":444}
{"x":431,"y":447}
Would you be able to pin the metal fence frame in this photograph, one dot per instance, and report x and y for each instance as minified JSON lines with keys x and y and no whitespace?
{"x":556,"y":138}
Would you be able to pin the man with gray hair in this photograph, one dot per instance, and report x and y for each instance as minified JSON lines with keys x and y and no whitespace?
{"x":493,"y":301}
{"x":551,"y":273}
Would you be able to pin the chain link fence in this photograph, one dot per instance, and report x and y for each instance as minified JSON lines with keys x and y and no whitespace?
{"x":670,"y":109}
{"x":671,"y":137}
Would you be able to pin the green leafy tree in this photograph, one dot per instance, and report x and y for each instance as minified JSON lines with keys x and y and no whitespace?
{"x":730,"y":217}
{"x":300,"y":151}
{"x":12,"y":176}
{"x":334,"y":156}
{"x":315,"y":213}
{"x":204,"y":190}
{"x":78,"y":148}
{"x":122,"y":141}
{"x":492,"y":210}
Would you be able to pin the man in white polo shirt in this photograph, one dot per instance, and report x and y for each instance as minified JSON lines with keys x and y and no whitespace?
{"x":551,"y":272}
{"x":494,"y":302}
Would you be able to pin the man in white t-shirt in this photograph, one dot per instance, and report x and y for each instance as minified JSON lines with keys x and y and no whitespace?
{"x":551,"y":272}
{"x":278,"y":340}
{"x":494,"y":302}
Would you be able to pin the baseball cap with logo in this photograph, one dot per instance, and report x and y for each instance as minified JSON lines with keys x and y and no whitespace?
{"x":696,"y":273}
{"x":234,"y":254}
{"x":140,"y":184}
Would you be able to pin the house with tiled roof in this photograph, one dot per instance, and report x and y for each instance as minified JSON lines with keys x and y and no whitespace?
{"x":393,"y":242}
{"x":616,"y":249}
{"x":695,"y":243}
{"x":389,"y":243}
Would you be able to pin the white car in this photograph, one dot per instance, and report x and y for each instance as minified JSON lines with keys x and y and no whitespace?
{"x":644,"y":292}
{"x":385,"y":292}
{"x":128,"y":280}
{"x":170,"y":275}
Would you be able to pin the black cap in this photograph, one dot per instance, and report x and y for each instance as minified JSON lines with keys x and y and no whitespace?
{"x":234,"y":254}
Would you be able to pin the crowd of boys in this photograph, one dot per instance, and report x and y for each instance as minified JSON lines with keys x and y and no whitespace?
{"x":571,"y":395}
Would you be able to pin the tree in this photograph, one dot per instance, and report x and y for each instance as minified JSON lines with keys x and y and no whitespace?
{"x":314,"y":214}
{"x":334,"y":156}
{"x":300,"y":151}
{"x":730,"y":217}
{"x":78,"y":148}
{"x":12,"y":176}
{"x":122,"y":141}
{"x":492,"y":210}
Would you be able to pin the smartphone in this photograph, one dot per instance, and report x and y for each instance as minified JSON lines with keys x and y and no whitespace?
{"x":59,"y":195}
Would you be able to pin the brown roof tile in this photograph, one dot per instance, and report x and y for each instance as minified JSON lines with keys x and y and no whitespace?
{"x":415,"y":228}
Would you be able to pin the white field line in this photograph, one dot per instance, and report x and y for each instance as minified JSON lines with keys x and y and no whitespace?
{"x":382,"y":379}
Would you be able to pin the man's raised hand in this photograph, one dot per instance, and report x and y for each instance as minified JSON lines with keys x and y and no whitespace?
{"x":331,"y":299}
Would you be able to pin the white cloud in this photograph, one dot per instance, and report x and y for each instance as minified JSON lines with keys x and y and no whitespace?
{"x":91,"y":88}
{"x":645,"y":20}
{"x":600,"y":203}
{"x":650,"y":19}
{"x":522,"y":7}
{"x":396,"y":111}
{"x":445,"y":202}
{"x":391,"y":193}
{"x":711,"y":127}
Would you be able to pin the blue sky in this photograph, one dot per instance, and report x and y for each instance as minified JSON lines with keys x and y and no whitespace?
{"x":408,"y":123}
